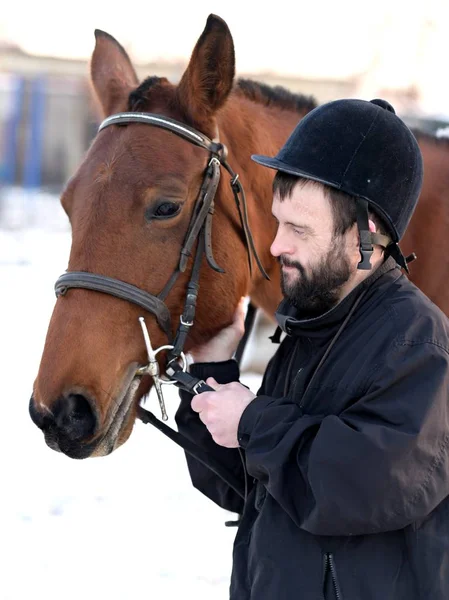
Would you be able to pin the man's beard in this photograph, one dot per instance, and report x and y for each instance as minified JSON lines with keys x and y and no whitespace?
{"x":316,"y":292}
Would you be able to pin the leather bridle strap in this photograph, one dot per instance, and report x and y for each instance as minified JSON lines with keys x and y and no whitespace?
{"x":242,"y":207}
{"x":194,"y":450}
{"x":205,"y":205}
{"x":188,"y":133}
{"x":119,"y":289}
{"x":216,"y":149}
{"x":199,"y":227}
{"x":199,"y":230}
{"x":188,"y":314}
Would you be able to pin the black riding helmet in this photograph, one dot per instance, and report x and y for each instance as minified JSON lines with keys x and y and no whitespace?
{"x":364,"y":149}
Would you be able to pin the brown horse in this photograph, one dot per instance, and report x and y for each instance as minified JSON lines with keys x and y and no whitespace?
{"x":428,"y":232}
{"x":130,"y":204}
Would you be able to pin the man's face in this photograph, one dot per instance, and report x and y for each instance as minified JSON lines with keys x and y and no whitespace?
{"x":316,"y":264}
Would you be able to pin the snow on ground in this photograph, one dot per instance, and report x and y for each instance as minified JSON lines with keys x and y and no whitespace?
{"x":127,"y":526}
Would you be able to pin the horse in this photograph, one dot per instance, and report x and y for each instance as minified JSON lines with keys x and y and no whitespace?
{"x":427,"y":233}
{"x":132,"y":205}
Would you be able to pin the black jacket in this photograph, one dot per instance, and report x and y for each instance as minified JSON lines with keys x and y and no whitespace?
{"x":349,"y":485}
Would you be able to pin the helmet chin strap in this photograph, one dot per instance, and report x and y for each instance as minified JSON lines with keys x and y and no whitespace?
{"x":366,"y":242}
{"x":368,"y":238}
{"x":394,"y":251}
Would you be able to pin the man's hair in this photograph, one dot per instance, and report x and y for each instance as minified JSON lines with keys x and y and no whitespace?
{"x":342,"y":204}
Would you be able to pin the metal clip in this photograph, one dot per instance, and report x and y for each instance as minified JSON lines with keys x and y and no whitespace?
{"x":152,"y":368}
{"x":214,"y":160}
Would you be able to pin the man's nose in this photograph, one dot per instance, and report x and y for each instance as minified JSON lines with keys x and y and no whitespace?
{"x":280,"y":246}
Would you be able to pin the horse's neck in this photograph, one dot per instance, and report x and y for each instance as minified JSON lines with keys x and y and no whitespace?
{"x":249,"y":128}
{"x":427,"y":233}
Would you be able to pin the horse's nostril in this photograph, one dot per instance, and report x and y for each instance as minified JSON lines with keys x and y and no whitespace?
{"x":71,"y":419}
{"x":74,"y":417}
{"x":39,"y":418}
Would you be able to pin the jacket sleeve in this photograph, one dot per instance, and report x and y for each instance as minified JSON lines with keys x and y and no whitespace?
{"x":379,"y":465}
{"x":190,"y":425}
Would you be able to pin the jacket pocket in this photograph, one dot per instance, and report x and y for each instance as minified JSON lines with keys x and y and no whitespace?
{"x":331,"y":586}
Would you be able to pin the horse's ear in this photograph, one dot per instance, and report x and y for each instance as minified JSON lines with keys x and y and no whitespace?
{"x":208,"y":79}
{"x":112,"y":74}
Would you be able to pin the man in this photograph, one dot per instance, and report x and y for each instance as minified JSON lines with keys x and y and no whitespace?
{"x":346,"y":445}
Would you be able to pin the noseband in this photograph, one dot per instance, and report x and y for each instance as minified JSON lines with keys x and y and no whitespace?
{"x":199,"y":230}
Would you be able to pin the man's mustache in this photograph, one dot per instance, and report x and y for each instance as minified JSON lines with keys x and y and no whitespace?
{"x":285,"y":262}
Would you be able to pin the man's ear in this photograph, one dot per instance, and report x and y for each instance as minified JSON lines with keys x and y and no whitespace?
{"x":372,"y":226}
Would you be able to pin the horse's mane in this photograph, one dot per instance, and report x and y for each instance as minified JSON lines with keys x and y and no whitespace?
{"x":278,"y":96}
{"x":256,"y":91}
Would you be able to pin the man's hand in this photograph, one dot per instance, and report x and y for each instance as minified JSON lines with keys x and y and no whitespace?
{"x":221,"y":410}
{"x":224,"y":344}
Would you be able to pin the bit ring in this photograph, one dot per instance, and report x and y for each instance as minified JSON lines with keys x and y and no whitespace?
{"x":182,"y":356}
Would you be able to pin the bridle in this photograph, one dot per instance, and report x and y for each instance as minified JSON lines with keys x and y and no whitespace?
{"x":199,"y":231}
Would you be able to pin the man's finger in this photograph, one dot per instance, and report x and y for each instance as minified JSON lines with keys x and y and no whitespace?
{"x":198,"y":404}
{"x":213,"y":384}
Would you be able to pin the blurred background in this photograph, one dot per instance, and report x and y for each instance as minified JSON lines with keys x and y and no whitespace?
{"x":330,"y":50}
{"x":130,"y":525}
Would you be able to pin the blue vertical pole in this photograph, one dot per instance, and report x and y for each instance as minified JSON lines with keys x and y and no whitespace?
{"x":35,"y":146}
{"x":9,"y":160}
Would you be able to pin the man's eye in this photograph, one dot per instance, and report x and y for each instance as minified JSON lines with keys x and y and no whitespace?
{"x":165,"y":210}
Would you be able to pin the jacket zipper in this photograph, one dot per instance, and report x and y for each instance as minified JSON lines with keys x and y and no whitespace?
{"x":329,"y":564}
{"x":330,"y":560}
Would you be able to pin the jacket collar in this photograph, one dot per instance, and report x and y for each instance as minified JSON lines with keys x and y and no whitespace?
{"x":290,"y":321}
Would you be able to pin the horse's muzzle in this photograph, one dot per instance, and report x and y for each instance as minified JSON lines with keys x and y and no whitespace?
{"x":68,"y":425}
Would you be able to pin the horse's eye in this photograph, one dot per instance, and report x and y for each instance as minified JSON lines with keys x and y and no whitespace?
{"x":166,"y":210}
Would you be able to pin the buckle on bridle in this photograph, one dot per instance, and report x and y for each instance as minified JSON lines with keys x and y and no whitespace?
{"x":186,"y":323}
{"x":219,"y":150}
{"x":214,"y":161}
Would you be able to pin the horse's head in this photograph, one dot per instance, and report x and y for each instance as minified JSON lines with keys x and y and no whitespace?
{"x":131,"y":205}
